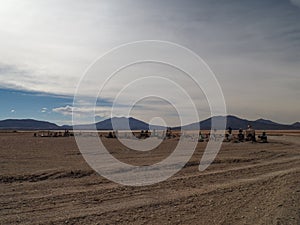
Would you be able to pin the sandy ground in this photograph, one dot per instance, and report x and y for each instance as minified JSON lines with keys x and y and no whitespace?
{"x":46,"y":181}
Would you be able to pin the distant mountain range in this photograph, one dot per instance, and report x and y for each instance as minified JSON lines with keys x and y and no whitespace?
{"x":237,"y":123}
{"x":135,"y":124}
{"x":121,"y":123}
{"x":27,"y":124}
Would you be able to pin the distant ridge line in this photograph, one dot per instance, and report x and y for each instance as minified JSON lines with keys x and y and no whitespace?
{"x":122,"y":123}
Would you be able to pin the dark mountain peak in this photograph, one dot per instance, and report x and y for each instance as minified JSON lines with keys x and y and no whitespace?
{"x":236,"y":123}
{"x":261,"y":120}
{"x":27,"y":124}
{"x":297,"y":124}
{"x":232,"y":117}
{"x":121,"y":123}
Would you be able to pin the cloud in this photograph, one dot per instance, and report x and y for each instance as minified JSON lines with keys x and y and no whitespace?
{"x":145,"y":109}
{"x":83,"y":111}
{"x":52,"y":57}
{"x":44,"y":110}
{"x":24,"y":78}
{"x":66,"y":110}
{"x":43,"y":49}
{"x":295,"y":2}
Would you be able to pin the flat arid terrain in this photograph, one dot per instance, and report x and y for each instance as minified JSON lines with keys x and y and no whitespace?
{"x":45,"y":180}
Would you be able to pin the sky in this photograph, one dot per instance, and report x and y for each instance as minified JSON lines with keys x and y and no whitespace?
{"x":252,"y":47}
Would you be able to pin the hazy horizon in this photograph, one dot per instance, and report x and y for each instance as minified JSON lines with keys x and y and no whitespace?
{"x":155,"y":124}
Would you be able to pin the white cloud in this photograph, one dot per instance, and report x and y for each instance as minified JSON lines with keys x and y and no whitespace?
{"x":44,"y":110}
{"x":42,"y":40}
{"x":66,"y":110}
{"x":296,"y":2}
{"x":83,"y":111}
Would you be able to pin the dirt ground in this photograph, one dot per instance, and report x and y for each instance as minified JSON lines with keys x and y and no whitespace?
{"x":46,"y":181}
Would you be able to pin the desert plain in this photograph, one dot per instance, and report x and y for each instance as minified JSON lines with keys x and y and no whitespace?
{"x":45,"y":180}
